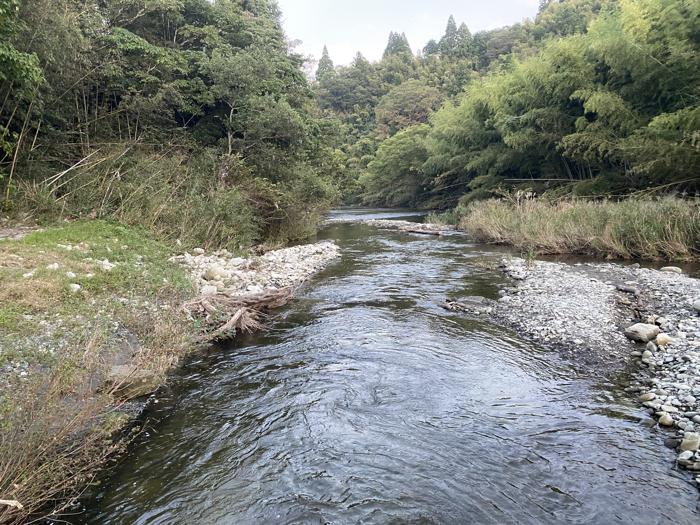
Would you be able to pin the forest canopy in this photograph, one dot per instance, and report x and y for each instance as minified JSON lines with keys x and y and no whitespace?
{"x":194,"y":118}
{"x":592,"y":98}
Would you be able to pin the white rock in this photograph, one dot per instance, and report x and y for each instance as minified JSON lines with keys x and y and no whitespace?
{"x":71,"y":275}
{"x":666,"y":420}
{"x":53,"y":266}
{"x":198,"y":251}
{"x":74,"y":287}
{"x":642,"y":332}
{"x":685,"y":456}
{"x":215,"y":273}
{"x":691,"y":441}
{"x":671,"y":269}
{"x":663,"y":340}
{"x":209,"y":290}
{"x":107,"y":266}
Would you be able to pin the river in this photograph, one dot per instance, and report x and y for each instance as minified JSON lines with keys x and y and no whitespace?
{"x":366,"y":402}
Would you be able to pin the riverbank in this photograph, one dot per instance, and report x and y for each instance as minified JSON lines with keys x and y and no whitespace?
{"x":609,"y":316}
{"x":93,"y":316}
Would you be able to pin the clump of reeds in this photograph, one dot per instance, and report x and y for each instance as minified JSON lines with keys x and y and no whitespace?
{"x":654,"y":229}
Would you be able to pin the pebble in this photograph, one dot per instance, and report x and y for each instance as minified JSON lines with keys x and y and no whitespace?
{"x":74,"y":287}
{"x":663,"y":339}
{"x":691,"y":441}
{"x":685,"y":457}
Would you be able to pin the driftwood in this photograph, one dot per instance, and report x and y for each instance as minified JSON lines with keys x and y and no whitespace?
{"x":409,"y":227}
{"x":11,"y":503}
{"x":223,"y":316}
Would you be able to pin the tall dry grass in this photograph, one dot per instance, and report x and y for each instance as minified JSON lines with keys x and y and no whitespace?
{"x":663,"y":229}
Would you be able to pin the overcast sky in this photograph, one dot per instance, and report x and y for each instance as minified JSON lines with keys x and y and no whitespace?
{"x":349,"y":26}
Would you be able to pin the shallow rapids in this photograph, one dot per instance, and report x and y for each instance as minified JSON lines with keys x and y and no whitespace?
{"x":368,"y":403}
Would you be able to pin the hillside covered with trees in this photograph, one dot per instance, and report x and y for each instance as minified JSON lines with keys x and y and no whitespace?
{"x":592,"y":98}
{"x":190,"y":117}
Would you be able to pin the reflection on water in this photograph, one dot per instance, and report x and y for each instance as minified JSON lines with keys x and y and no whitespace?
{"x":366,"y":403}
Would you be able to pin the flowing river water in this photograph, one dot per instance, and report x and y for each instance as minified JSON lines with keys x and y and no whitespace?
{"x":368,"y":403}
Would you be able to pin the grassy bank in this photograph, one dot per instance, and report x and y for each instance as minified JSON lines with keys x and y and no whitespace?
{"x":89,"y":318}
{"x":665,"y":229}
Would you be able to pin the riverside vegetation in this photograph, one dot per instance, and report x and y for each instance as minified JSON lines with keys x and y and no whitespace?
{"x":593,"y":100}
{"x":135,"y":130}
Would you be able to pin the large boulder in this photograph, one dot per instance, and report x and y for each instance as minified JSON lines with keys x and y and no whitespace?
{"x":642,"y":333}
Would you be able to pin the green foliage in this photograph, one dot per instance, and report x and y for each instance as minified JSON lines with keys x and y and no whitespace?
{"x":593,"y":97}
{"x":205,"y":92}
{"x":395,"y":177}
{"x":406,"y":105}
{"x":398,"y":46}
{"x":325,"y":66}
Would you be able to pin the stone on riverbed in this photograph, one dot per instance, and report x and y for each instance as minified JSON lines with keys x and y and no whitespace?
{"x":666,"y":420}
{"x":691,"y":442}
{"x":642,"y":332}
{"x":664,"y":340}
{"x":215,"y":273}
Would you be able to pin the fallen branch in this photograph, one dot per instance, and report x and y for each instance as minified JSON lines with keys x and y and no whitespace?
{"x":223,"y":316}
{"x":12,"y":503}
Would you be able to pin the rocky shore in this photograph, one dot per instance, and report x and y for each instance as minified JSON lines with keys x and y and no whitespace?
{"x":235,"y":292}
{"x":223,"y":273}
{"x":613,"y":316}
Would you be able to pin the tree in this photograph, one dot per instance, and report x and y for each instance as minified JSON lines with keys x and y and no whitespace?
{"x":448,"y":43}
{"x":406,"y":105}
{"x":431,"y":48}
{"x":463,"y":46}
{"x":398,"y":46}
{"x":395,"y":177}
{"x":326,"y":68}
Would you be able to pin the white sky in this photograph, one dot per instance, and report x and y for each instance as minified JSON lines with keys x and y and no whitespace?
{"x":347,"y":27}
